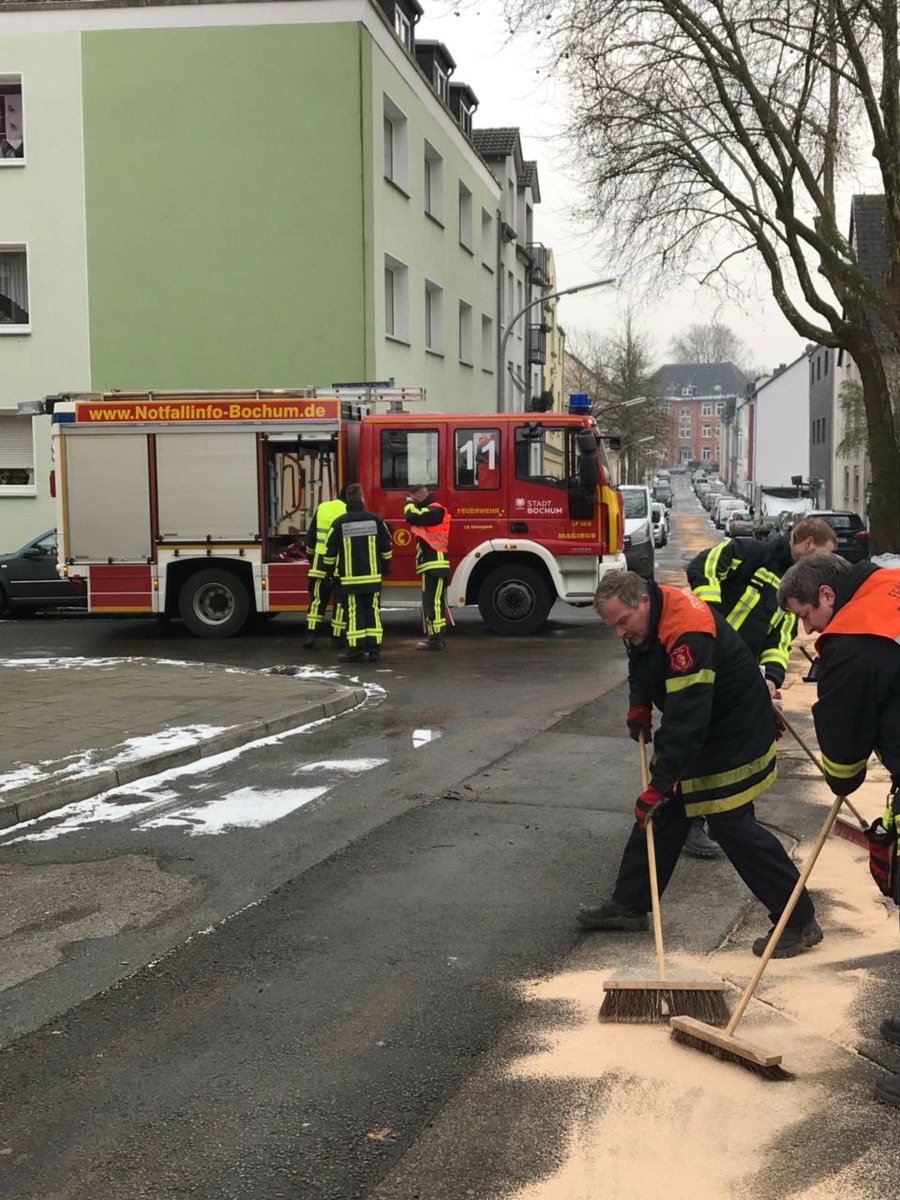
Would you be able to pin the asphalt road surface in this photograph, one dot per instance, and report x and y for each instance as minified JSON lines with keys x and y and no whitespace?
{"x":282,"y":1011}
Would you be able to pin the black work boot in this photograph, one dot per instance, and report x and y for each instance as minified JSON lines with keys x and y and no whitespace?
{"x":890,"y":1030}
{"x":434,"y":642}
{"x":310,"y":643}
{"x":352,"y":656}
{"x":698,"y":843}
{"x":793,"y":941}
{"x":887,"y":1090}
{"x":611,"y":916}
{"x":374,"y":655}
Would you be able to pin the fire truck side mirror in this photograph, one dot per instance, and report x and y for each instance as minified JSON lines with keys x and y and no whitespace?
{"x":589,"y":471}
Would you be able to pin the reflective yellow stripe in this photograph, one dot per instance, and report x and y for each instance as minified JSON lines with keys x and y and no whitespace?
{"x":764,"y":575}
{"x":710,"y":572}
{"x":743,"y":608}
{"x":702,"y":808}
{"x":685,"y":681}
{"x":704,"y":783}
{"x":844,"y":770}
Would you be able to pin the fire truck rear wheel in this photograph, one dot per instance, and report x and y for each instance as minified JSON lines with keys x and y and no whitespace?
{"x":514,"y":599}
{"x":214,"y":603}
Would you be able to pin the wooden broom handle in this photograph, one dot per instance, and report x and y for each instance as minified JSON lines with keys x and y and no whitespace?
{"x":813,"y":758}
{"x":651,"y":868}
{"x":785,"y":916}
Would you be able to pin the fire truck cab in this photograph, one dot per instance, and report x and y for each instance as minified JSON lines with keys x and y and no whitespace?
{"x":197,"y":504}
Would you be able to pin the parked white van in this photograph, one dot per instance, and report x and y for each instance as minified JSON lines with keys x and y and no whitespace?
{"x":724,"y":506}
{"x":638,"y":529}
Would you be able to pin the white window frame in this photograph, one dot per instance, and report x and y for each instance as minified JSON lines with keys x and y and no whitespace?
{"x":466,"y":349}
{"x":434,"y":317}
{"x":465,"y":118}
{"x":403,"y":27}
{"x":706,"y":454}
{"x":488,"y":346}
{"x":520,"y":304}
{"x":433,"y":172}
{"x":13,"y":79}
{"x":488,"y":240}
{"x":706,"y":410}
{"x":396,"y":144}
{"x":14,"y":432}
{"x":685,"y":412}
{"x":10,"y":328}
{"x":396,"y":299}
{"x":706,"y":430}
{"x":466,"y":232}
{"x":442,"y":83}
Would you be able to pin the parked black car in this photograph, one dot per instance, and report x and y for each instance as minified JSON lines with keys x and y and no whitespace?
{"x":29,"y":580}
{"x":850,"y":530}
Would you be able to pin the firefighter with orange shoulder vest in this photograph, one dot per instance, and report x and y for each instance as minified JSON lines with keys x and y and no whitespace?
{"x":430,"y":522}
{"x":856,"y":609}
{"x":715,"y":754}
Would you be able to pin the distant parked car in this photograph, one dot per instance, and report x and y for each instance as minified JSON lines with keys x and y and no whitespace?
{"x":724,"y":506}
{"x":739,"y":523}
{"x":662,"y":492}
{"x":785,"y":522}
{"x":660,"y":524}
{"x":850,"y":530}
{"x":29,"y":579}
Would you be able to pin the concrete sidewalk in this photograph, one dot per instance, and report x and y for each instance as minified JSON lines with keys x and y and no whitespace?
{"x":71,"y":728}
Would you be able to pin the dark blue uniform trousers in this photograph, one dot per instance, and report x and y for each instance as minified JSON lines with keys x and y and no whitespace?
{"x":754,"y":852}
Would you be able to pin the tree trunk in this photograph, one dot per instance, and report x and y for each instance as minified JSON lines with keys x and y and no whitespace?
{"x":884,"y":455}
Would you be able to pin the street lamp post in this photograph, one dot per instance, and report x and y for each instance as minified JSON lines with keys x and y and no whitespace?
{"x":504,"y":341}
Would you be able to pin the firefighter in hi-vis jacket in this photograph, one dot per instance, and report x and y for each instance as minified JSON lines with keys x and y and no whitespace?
{"x":430,"y":522}
{"x":715,"y":753}
{"x":856,"y":609}
{"x":359,"y":550}
{"x":320,"y":581}
{"x":740,"y":578}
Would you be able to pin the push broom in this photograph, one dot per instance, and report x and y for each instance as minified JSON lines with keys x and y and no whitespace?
{"x":722,"y":1043}
{"x":630,"y":1000}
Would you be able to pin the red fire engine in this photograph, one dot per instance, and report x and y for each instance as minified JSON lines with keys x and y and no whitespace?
{"x":188,"y":503}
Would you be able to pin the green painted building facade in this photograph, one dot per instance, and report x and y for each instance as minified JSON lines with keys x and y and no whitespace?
{"x":205,"y":200}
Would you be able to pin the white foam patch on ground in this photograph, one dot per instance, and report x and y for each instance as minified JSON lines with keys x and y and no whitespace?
{"x":246,"y":808}
{"x":86,"y":762}
{"x":350,"y":766}
{"x":421,"y":737}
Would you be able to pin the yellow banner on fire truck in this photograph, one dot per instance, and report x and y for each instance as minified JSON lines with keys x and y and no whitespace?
{"x":219,"y":408}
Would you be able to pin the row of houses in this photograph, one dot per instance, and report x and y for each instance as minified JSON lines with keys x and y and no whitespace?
{"x":800,"y":427}
{"x":264,"y":194}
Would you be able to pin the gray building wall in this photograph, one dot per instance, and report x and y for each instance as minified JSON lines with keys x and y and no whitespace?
{"x":821,"y":418}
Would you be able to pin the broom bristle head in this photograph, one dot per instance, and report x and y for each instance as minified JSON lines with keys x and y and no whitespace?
{"x":774,"y":1073}
{"x":643,"y":1006}
{"x":632,"y":1006}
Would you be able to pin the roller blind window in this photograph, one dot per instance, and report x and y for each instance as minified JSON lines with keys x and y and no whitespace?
{"x":16,"y":452}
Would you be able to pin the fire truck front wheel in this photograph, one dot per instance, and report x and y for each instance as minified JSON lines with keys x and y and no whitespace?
{"x":214,"y":603}
{"x":514,"y":599}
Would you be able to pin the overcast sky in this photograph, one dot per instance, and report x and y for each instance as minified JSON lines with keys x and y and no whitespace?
{"x":513,"y":90}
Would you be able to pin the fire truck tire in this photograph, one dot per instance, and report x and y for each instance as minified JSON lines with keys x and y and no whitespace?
{"x":514,"y":599}
{"x":214,"y":603}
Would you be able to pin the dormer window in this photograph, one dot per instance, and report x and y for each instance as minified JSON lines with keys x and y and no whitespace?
{"x":441,"y":83}
{"x":465,"y":118}
{"x":403,"y":27}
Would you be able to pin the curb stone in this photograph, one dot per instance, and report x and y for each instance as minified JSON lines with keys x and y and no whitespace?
{"x":28,"y":803}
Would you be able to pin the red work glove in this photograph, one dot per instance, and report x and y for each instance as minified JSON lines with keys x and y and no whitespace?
{"x":639,"y":720}
{"x":647,"y":804}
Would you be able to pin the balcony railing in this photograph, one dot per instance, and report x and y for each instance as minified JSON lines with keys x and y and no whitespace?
{"x":539,"y":271}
